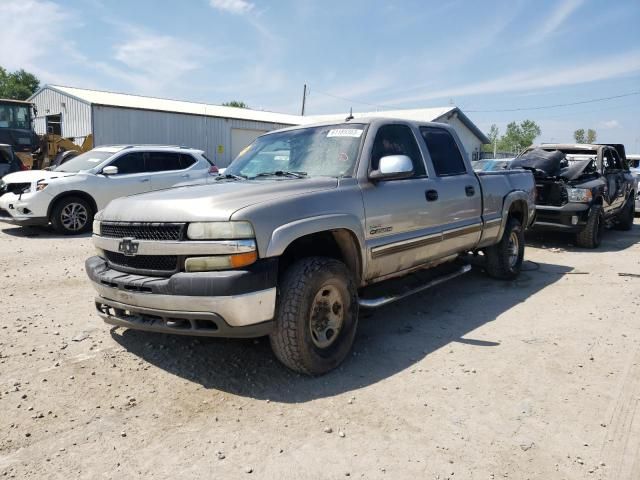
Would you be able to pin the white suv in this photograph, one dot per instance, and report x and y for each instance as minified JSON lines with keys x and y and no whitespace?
{"x":72,"y":193}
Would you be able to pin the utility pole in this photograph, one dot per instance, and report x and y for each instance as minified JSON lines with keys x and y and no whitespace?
{"x":495,"y":147}
{"x":304,"y":99}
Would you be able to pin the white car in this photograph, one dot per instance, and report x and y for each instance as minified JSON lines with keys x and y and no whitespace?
{"x":72,"y":193}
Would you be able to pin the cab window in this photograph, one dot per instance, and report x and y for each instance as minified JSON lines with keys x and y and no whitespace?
{"x":397,"y":140}
{"x":163,"y":161}
{"x":444,"y":152}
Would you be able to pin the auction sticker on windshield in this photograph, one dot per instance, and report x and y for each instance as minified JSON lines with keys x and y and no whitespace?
{"x":345,"y":132}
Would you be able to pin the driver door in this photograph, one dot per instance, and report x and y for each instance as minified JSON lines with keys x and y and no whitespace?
{"x":132,"y":177}
{"x":614,"y":176}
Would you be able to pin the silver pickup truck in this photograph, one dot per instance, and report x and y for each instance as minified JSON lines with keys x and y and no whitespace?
{"x":307,"y":225}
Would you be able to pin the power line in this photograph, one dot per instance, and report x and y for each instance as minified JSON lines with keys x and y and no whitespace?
{"x":593,"y":100}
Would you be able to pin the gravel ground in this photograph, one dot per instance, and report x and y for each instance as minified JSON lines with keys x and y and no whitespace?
{"x":474,"y":379}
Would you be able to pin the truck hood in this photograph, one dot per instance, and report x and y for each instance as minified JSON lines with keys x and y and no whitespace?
{"x":212,"y":202}
{"x":551,"y":164}
{"x":29,"y":176}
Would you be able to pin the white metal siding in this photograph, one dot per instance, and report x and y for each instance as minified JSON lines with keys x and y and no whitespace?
{"x":113,"y":125}
{"x":76,"y":115}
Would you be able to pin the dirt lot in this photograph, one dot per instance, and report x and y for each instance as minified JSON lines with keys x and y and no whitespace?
{"x":475,"y":379}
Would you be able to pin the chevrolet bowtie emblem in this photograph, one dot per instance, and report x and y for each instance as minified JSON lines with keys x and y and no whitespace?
{"x":128,"y":247}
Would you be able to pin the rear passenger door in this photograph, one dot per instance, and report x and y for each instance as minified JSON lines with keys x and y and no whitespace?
{"x":459,"y":198}
{"x":168,"y":168}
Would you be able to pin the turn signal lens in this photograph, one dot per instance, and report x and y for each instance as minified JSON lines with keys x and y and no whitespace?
{"x":220,"y":262}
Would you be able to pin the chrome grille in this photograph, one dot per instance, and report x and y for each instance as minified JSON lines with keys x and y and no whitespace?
{"x":143,"y":231}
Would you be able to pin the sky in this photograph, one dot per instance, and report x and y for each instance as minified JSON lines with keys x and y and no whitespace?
{"x":499,"y":61}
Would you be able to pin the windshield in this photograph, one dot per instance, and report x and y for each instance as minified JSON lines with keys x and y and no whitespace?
{"x":314,"y":151}
{"x":14,"y":116}
{"x":85,"y":161}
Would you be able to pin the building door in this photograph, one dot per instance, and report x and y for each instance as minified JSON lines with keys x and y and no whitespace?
{"x":241,"y":137}
{"x":54,"y":124}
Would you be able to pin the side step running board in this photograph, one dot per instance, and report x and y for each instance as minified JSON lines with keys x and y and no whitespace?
{"x":386,"y":300}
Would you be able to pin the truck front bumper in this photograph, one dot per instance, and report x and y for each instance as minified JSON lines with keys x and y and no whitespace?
{"x":211,"y":304}
{"x":571,"y":217}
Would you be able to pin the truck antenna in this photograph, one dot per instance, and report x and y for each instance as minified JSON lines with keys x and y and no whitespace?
{"x":350,"y":116}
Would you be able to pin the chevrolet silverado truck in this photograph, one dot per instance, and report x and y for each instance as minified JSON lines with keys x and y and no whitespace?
{"x":581,"y":189}
{"x":301,"y":229}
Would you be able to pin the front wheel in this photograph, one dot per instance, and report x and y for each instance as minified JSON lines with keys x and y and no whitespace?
{"x":591,"y":234}
{"x":316,"y":316}
{"x":71,"y":216}
{"x":504,"y":260}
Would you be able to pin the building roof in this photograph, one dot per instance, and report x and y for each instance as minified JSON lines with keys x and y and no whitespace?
{"x":111,"y":99}
{"x":123,"y":100}
{"x":13,"y":100}
{"x":417,"y":114}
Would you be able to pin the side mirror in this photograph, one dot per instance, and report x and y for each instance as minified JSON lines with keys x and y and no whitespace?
{"x":393,"y":167}
{"x":110,"y":170}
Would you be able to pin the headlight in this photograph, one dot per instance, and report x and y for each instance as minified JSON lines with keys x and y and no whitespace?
{"x":41,"y":186}
{"x":96,"y":227}
{"x":219,"y":262}
{"x":220,"y":231}
{"x":579,"y":195}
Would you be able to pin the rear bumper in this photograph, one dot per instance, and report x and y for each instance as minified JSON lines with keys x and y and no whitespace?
{"x":214,"y":304}
{"x":571,"y":217}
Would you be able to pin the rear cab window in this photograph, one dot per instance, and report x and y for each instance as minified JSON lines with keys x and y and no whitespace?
{"x":445,"y":154}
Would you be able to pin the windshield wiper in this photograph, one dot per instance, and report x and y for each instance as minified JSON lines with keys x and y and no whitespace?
{"x":282,"y":173}
{"x":230,"y":176}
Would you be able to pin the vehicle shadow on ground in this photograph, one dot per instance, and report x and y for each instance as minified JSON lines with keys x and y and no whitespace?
{"x":389,"y":340}
{"x":39,"y":232}
{"x":612,"y":240}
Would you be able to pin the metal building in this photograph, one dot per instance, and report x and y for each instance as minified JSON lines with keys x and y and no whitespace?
{"x":116,"y":118}
{"x":470,"y":135}
{"x":222,"y":132}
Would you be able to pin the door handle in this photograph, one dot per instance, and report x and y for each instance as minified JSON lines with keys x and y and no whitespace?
{"x":186,"y":175}
{"x":470,"y":191}
{"x":431,"y":195}
{"x":144,"y":180}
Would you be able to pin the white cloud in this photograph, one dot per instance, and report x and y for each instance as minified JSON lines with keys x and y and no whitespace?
{"x":610,"y":124}
{"x":537,"y":79}
{"x":554,"y":21}
{"x":239,"y":7}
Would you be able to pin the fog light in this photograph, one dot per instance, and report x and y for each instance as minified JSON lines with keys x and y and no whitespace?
{"x":574,"y":220}
{"x":220,"y":262}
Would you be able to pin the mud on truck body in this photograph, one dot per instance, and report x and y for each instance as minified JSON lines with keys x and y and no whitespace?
{"x":302,"y":227}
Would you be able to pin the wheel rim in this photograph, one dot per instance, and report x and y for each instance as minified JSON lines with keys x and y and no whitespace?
{"x":327,"y":316}
{"x":74,"y":216}
{"x":513,"y":249}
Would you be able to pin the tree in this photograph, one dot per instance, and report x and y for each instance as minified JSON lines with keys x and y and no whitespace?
{"x":18,"y":85}
{"x":517,"y":137}
{"x":493,"y":138}
{"x":580,"y":136}
{"x":236,"y":104}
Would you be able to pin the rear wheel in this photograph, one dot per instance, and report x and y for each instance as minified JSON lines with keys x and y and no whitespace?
{"x":591,"y":234}
{"x":504,"y":260}
{"x":316,"y":316}
{"x":625,"y":219}
{"x":71,"y":216}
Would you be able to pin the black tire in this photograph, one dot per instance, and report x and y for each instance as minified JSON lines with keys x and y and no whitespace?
{"x":625,"y":219}
{"x":504,"y":260}
{"x":71,"y":216}
{"x":301,"y":312}
{"x":591,"y":234}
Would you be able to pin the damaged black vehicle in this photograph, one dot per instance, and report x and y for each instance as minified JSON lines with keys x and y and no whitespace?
{"x":581,"y":189}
